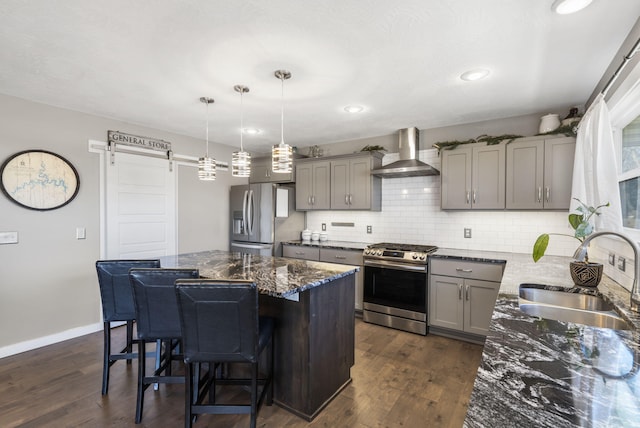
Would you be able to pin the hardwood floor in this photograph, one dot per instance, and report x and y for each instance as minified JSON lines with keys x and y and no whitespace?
{"x":399,"y":380}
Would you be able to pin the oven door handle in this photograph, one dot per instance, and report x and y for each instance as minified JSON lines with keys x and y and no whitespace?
{"x":391,"y":265}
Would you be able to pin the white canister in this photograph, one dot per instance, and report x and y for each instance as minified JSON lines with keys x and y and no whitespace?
{"x":315,"y":236}
{"x":549,"y":122}
{"x":324,"y":237}
{"x":305,"y":235}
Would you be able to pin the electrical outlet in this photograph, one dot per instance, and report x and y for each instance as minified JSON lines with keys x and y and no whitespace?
{"x":324,"y":227}
{"x":612,"y":259}
{"x":467,"y":232}
{"x":622,"y":263}
{"x":369,"y":229}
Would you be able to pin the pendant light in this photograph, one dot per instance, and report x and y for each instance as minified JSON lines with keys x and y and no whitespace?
{"x":282,"y":154}
{"x":207,"y":165}
{"x":241,"y":161}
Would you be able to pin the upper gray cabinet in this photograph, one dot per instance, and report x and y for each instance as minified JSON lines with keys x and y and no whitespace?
{"x":261,"y":172}
{"x":473,"y":177}
{"x":352,"y":185}
{"x":540,"y":173}
{"x":339,"y":183}
{"x":313,"y":185}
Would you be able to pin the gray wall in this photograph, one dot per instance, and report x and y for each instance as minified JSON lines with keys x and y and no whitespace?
{"x":48,"y":285}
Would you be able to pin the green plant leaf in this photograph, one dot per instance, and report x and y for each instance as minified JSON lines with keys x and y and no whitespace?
{"x":583,"y":230}
{"x":540,"y":246}
{"x":575,"y":220}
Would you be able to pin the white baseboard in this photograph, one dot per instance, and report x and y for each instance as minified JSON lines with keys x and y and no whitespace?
{"x":29,"y":345}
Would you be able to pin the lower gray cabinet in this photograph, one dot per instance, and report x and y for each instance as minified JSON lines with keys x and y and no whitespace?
{"x":462,"y":295}
{"x":331,"y":255}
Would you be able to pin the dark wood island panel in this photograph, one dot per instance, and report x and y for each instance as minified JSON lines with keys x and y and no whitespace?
{"x":315,"y":345}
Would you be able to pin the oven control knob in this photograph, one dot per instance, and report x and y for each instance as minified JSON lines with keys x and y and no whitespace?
{"x":379,"y":253}
{"x":414,"y":256}
{"x":422,"y":256}
{"x":367,"y":251}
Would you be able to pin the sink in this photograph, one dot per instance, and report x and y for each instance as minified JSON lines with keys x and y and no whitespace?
{"x":570,"y":307}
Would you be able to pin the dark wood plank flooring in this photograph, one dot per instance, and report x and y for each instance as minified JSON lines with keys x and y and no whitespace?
{"x":399,"y":380}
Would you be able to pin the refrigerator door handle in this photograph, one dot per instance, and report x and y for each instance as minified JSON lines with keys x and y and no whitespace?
{"x":250,"y":212}
{"x":244,"y":212}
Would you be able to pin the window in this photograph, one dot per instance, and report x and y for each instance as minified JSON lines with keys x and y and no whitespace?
{"x":630,"y":165}
{"x":624,"y":108}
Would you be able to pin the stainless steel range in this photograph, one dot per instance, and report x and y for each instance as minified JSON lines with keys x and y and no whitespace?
{"x":395,"y":285}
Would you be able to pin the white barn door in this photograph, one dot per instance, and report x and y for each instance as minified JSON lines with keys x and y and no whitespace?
{"x":140,"y":207}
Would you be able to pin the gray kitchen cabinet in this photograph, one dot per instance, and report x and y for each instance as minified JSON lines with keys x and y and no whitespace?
{"x":347,"y":257}
{"x":301,"y":252}
{"x":313,"y":185}
{"x":462,"y":295}
{"x":352,"y":185}
{"x":540,"y":173}
{"x":331,"y":255}
{"x":473,"y":177}
{"x":261,"y":172}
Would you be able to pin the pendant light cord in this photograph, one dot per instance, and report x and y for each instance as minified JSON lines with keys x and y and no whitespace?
{"x":207,"y":133}
{"x":282,"y":112}
{"x":241,"y":120}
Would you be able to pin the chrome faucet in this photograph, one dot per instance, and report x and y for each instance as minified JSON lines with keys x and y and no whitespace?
{"x":581,"y":254}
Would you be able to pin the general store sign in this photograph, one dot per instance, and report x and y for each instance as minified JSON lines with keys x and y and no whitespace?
{"x":116,"y":137}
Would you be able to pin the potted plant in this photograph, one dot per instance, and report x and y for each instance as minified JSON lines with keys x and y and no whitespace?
{"x":583,"y":273}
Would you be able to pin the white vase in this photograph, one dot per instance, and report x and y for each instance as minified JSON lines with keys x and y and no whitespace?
{"x":549,"y":123}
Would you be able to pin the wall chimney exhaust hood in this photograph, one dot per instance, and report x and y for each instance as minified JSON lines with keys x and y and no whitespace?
{"x":408,"y":165}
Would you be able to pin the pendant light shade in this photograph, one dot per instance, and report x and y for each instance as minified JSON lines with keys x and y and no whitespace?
{"x":206,"y":164}
{"x":282,"y":154}
{"x":241,"y":161}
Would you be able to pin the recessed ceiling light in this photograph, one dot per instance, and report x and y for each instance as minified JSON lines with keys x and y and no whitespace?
{"x":564,"y":7}
{"x":251,"y":131}
{"x":353,"y":109}
{"x":477,"y":74}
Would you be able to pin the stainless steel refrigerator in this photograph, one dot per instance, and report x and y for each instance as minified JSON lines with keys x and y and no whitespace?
{"x":262,"y":217}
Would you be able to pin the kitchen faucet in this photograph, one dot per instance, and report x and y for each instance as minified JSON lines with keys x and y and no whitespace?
{"x":581,"y":254}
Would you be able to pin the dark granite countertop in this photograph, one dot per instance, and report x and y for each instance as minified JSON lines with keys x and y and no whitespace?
{"x":276,"y":276}
{"x":340,"y":245}
{"x":537,"y":372}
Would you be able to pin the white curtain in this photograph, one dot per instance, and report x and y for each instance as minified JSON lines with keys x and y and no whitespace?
{"x":595,"y":174}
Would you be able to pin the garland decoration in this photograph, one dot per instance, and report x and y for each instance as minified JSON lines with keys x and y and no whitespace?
{"x":490,"y":140}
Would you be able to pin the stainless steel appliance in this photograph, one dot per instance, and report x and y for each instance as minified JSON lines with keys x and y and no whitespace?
{"x":395,"y":286}
{"x":262,"y":217}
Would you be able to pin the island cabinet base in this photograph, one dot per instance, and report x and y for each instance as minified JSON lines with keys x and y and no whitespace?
{"x":314,"y":345}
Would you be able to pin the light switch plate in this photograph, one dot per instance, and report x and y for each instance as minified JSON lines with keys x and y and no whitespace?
{"x":622,"y":263}
{"x":467,"y":232}
{"x":324,"y":227}
{"x":8,"y":237}
{"x":81,"y":233}
{"x":612,"y":259}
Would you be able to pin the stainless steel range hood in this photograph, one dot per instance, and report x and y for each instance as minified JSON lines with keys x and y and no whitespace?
{"x":408,"y":165}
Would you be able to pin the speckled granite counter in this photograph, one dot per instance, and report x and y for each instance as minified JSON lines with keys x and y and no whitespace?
{"x":537,"y":372}
{"x":340,"y":245}
{"x":276,"y":276}
{"x":312,"y":304}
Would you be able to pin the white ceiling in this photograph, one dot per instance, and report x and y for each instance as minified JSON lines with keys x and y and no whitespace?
{"x":149,"y":61}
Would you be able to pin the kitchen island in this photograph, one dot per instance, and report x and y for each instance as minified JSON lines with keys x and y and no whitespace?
{"x":312,"y":303}
{"x":538,"y":372}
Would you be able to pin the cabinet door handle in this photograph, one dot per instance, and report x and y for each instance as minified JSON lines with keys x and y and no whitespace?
{"x":464,"y":270}
{"x":309,"y":199}
{"x":350,"y":199}
{"x":474,"y":196}
{"x":459,"y":291}
{"x":313,"y":200}
{"x":539,"y":194}
{"x":467,"y":197}
{"x":548,"y":193}
{"x":300,"y":253}
{"x":346,"y":199}
{"x":340,"y":257}
{"x":467,"y":292}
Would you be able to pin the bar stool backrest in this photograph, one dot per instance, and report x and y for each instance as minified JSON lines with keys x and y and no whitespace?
{"x":220,"y":320}
{"x":155,"y":301}
{"x":115,"y":287}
